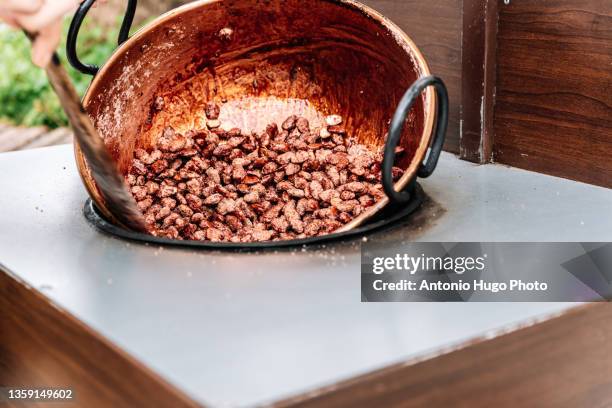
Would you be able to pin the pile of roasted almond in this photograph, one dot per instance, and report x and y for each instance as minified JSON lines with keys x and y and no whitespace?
{"x":285,"y":183}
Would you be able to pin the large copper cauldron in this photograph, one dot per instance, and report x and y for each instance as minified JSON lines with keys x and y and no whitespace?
{"x":267,"y":59}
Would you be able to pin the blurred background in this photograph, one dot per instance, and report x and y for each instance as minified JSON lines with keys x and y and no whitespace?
{"x":30,"y":114}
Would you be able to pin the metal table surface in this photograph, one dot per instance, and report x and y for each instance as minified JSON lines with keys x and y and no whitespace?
{"x":242,"y":329}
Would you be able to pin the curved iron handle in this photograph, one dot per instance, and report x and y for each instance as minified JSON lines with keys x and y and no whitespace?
{"x":397,"y":126}
{"x":75,"y":26}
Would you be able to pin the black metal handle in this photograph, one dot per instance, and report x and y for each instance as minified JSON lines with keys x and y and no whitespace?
{"x":395,"y":133}
{"x":75,"y":26}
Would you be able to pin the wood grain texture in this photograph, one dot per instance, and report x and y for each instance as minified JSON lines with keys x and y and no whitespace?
{"x":435,"y":26}
{"x":23,"y":138}
{"x":43,"y":346}
{"x":554,"y":88}
{"x":118,"y":202}
{"x":563,"y":362}
{"x":480,"y":22}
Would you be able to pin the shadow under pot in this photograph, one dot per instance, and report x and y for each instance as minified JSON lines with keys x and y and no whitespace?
{"x":263,"y":61}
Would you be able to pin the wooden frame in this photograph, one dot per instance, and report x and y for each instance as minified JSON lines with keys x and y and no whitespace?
{"x":562,"y":361}
{"x":529,"y":81}
{"x":553,"y":111}
{"x":479,"y":46}
{"x":42,"y":345}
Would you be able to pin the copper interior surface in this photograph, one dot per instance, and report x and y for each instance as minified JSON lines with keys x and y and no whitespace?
{"x":261,"y":60}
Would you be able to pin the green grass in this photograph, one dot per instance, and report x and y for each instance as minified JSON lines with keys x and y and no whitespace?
{"x":26,"y":97}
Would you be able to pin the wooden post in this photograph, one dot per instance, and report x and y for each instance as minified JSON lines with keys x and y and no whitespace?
{"x":479,"y":45}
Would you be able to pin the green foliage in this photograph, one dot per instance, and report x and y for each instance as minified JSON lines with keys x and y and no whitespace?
{"x":26,"y":98}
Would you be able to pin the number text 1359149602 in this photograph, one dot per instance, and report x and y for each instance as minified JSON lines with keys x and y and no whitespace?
{"x":35,"y":394}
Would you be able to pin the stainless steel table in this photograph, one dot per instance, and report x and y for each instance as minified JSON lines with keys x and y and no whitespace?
{"x":244,"y":329}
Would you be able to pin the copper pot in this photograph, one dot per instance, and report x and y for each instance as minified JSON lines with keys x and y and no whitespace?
{"x":265,"y":60}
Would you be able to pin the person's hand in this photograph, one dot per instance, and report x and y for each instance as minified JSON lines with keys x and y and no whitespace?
{"x":42,"y":17}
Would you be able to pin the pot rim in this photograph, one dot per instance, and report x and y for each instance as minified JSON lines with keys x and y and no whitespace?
{"x":399,"y":36}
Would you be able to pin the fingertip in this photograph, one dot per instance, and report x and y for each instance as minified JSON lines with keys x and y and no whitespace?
{"x":49,"y":12}
{"x":8,"y":18}
{"x":22,"y":6}
{"x":40,"y":57}
{"x":45,"y":44}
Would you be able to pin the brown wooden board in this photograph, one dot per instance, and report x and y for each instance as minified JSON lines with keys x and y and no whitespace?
{"x":44,"y":346}
{"x":562,"y":362}
{"x":435,"y":26}
{"x":554,"y":88}
{"x":480,"y":19}
{"x":22,"y":138}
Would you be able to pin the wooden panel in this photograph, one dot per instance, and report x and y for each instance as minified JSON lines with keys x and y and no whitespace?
{"x":435,"y":26}
{"x":21,"y":138}
{"x":480,"y":20}
{"x":563,"y":362}
{"x":43,"y":346}
{"x":554,"y":88}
